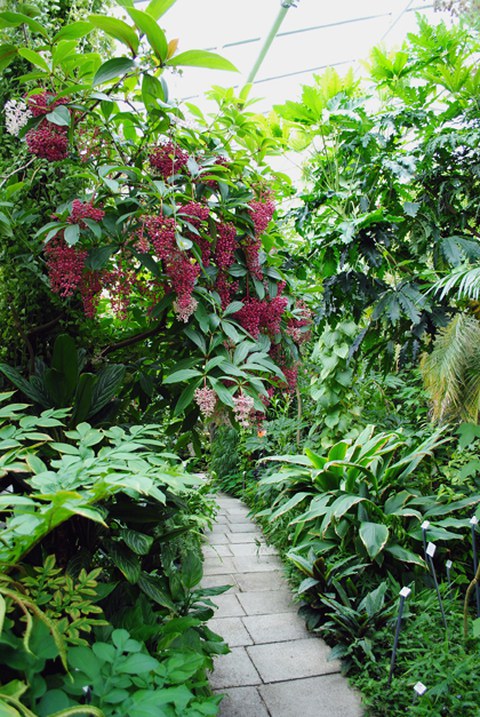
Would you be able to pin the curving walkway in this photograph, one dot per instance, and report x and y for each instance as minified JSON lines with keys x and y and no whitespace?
{"x":275,"y":667}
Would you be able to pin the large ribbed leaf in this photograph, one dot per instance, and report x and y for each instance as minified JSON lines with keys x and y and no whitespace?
{"x":109,"y":381}
{"x":374,"y":536}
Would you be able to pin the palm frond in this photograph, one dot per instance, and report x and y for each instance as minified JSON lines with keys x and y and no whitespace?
{"x":465,"y":279}
{"x":451,"y":373}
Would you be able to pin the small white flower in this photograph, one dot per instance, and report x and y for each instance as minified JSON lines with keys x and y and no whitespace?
{"x":17,"y":115}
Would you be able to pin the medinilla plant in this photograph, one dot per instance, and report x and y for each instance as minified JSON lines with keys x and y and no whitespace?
{"x":360,"y":498}
{"x":168,"y":234}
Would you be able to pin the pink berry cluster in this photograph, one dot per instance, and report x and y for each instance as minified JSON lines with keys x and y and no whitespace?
{"x":65,"y":265}
{"x":243,"y":408}
{"x":261,"y":212}
{"x":206,"y":400}
{"x":226,"y":287}
{"x":84,"y":210}
{"x":47,"y":140}
{"x":169,"y":159}
{"x":197,"y":215}
{"x":225,"y":246}
{"x":119,"y":282}
{"x":298,"y":325}
{"x":181,"y":271}
{"x":256,"y":316}
{"x":91,"y":288}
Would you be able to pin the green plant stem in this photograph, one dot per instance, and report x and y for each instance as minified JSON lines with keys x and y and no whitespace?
{"x":470,"y":589}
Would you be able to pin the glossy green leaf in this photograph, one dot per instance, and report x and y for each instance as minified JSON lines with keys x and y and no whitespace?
{"x":202,"y":58}
{"x":157,"y":8}
{"x":14,"y":19}
{"x":34,"y":57}
{"x":7,"y":54}
{"x":118,"y":29}
{"x":183,"y":375}
{"x":154,"y":34}
{"x":374,"y":536}
{"x":60,"y":116}
{"x":74,"y":31}
{"x":113,"y":69}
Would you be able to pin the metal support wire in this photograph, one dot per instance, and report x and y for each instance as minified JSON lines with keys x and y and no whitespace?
{"x":284,"y":8}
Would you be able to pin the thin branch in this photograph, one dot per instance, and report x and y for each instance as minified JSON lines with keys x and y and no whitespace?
{"x":132,"y":339}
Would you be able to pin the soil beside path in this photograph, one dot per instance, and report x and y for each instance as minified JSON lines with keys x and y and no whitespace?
{"x":276,"y":668}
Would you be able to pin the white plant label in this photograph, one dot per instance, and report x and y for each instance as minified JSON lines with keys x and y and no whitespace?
{"x":420,"y":688}
{"x":405,"y":592}
{"x":449,"y":564}
{"x":431,"y":548}
{"x":425,"y":525}
{"x":474,"y":520}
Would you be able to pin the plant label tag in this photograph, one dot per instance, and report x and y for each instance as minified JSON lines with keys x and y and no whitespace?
{"x":431,"y":548}
{"x":425,"y":525}
{"x":420,"y":688}
{"x":449,"y":564}
{"x":405,"y":592}
{"x":474,"y":520}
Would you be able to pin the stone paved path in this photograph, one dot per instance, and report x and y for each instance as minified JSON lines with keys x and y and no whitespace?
{"x":275,"y":667}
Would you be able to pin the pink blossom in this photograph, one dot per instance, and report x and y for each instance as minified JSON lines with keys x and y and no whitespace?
{"x":206,"y":400}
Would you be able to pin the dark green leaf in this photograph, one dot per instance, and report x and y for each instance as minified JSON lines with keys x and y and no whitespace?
{"x":113,"y":69}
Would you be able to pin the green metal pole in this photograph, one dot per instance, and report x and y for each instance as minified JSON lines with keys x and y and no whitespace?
{"x":285,"y":7}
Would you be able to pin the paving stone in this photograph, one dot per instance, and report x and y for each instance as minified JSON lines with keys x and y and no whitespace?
{"x":220,"y":519}
{"x":240,"y":512}
{"x":276,"y":628}
{"x":266,"y":602}
{"x":234,"y":670}
{"x":216,"y":581}
{"x":292,"y":660}
{"x":247,"y":527}
{"x":219,"y":538}
{"x":239,"y":520}
{"x":241,"y":549}
{"x":245,"y":537}
{"x":257,"y":563}
{"x":228,"y":606}
{"x":211,"y":551}
{"x":218,"y":566}
{"x":266,"y":580}
{"x":231,"y":629}
{"x":242,"y":702}
{"x":327,"y":696}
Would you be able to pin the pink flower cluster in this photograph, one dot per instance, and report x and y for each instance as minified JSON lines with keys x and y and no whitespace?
{"x":181,"y":271}
{"x":84,"y":210}
{"x":184,"y":307}
{"x":226,"y":245}
{"x":261,"y":212}
{"x":169,"y":159}
{"x":297,"y":327}
{"x":197,"y":214}
{"x":47,"y":140}
{"x":206,"y":400}
{"x":119,"y":281}
{"x":226,"y":288}
{"x":243,"y":407}
{"x":65,"y":265}
{"x":256,"y":315}
{"x":90,"y":289}
{"x":44,"y":102}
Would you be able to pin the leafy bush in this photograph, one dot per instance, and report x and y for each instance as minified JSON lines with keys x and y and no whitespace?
{"x":115,"y":600}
